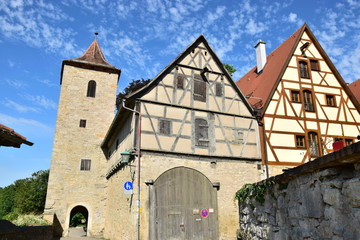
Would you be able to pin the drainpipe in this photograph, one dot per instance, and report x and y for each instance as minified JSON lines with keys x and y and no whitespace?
{"x":138,"y":182}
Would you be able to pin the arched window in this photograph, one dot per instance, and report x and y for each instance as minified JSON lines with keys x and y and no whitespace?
{"x":308,"y":101}
{"x":91,"y":88}
{"x":313,"y":144}
{"x":304,"y":72}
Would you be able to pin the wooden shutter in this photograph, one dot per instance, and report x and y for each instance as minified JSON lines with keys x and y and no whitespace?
{"x":165,"y":127}
{"x":218,"y":89}
{"x":201,"y":133}
{"x":314,"y":64}
{"x":180,"y":81}
{"x":199,"y":88}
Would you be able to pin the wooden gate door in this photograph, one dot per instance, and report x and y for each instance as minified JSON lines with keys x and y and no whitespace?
{"x":183,"y":205}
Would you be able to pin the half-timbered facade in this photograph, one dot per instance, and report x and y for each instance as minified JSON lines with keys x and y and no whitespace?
{"x":305,"y":107}
{"x":199,"y":142}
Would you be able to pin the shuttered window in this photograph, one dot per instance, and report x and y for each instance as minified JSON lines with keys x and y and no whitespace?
{"x":314,"y":64}
{"x":180,"y":81}
{"x":165,"y":127}
{"x":85,"y":165}
{"x":218,"y":89}
{"x":201,"y":133}
{"x":199,"y":88}
{"x":91,"y":89}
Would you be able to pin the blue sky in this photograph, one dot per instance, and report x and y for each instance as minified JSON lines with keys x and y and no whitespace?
{"x":141,"y":38}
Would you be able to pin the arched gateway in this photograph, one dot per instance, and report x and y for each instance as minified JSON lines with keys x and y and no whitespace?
{"x":183,"y":205}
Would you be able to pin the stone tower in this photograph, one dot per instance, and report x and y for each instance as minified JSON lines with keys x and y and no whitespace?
{"x":86,"y":109}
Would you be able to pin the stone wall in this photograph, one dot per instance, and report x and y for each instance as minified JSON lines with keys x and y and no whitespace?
{"x":317,"y":200}
{"x":10,"y":231}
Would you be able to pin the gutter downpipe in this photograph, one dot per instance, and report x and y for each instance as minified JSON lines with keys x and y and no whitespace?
{"x":138,"y":182}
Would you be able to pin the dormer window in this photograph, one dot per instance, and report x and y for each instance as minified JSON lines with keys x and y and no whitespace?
{"x":304,"y":72}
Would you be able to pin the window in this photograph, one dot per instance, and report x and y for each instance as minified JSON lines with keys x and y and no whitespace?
{"x":165,"y":127}
{"x":201,"y":133}
{"x":308,"y":101}
{"x":82,"y":123}
{"x":239,"y":135}
{"x":219,"y":89}
{"x":199,"y":88}
{"x":91,"y":89}
{"x":313,"y":144}
{"x":314,"y":64}
{"x":300,"y":141}
{"x":85,"y":165}
{"x":348,"y":142}
{"x":180,"y":81}
{"x":295,"y":96}
{"x":330,"y":100}
{"x":304,"y":73}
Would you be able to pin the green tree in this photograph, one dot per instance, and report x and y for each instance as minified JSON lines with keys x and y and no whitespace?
{"x":132,"y":87}
{"x":7,"y":196}
{"x":229,"y":68}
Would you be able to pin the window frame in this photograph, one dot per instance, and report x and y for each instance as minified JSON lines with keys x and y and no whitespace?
{"x":298,"y":96}
{"x":304,"y":69}
{"x":180,"y":78}
{"x":91,"y":89}
{"x":308,"y":101}
{"x":219,"y":90}
{"x":303,"y":141}
{"x":314,"y":65}
{"x":313,"y":138}
{"x":201,"y":133}
{"x":162,"y":130}
{"x":332,"y":100}
{"x":85,"y":165}
{"x":200,"y":88}
{"x":82,"y":123}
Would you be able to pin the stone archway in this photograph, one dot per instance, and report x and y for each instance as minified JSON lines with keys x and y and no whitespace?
{"x":79,"y":218}
{"x":183,"y":205}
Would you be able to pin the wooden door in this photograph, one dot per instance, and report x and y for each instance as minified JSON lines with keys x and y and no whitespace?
{"x":177,"y":200}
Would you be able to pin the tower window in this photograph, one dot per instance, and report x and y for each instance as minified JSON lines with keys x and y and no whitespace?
{"x":295,"y":96}
{"x":314,"y":64}
{"x":91,"y":90}
{"x":313,"y":144}
{"x":85,"y":165}
{"x":304,"y":72}
{"x":308,"y":101}
{"x":199,"y":88}
{"x":82,"y":123}
{"x":330,"y":100}
{"x":201,"y":133}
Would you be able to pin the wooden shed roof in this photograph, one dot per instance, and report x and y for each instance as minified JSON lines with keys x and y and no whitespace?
{"x":10,"y":138}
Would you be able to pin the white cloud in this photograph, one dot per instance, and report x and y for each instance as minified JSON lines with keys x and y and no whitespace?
{"x":292,"y":17}
{"x":18,"y":107}
{"x":253,"y":27}
{"x":47,"y":83}
{"x":42,"y":101}
{"x":11,"y":63}
{"x":16,"y":83}
{"x":24,"y":123}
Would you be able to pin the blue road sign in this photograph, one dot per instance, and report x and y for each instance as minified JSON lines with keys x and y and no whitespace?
{"x":128,"y":186}
{"x":204,"y":213}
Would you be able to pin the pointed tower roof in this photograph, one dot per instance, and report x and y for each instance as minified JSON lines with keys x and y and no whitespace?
{"x":93,"y":58}
{"x":260,"y":87}
{"x":355,"y":89}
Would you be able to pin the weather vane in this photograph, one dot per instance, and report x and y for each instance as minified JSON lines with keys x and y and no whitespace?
{"x":96,"y":34}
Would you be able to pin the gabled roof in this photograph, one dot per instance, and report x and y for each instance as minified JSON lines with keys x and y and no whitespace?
{"x":259,"y":88}
{"x":355,"y":89}
{"x":153,"y":83}
{"x":167,"y":69}
{"x":93,"y":58}
{"x":10,"y":138}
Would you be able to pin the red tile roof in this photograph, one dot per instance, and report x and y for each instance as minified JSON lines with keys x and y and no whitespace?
{"x":355,"y":89}
{"x":10,"y":138}
{"x":259,"y":87}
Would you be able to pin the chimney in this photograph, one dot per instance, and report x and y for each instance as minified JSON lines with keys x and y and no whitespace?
{"x":260,"y":56}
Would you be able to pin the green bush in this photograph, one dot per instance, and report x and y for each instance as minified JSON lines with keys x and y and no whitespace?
{"x":77,"y":219}
{"x":30,"y":220}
